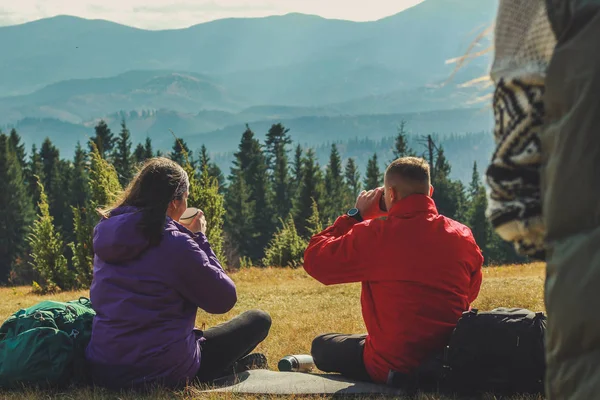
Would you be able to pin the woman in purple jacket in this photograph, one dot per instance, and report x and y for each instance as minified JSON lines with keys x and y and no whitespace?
{"x":151,"y":274}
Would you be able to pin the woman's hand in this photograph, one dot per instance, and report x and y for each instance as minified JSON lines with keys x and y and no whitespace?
{"x":198,"y":224}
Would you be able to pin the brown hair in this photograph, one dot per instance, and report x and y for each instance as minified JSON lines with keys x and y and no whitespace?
{"x":414,"y":172}
{"x":158,"y":182}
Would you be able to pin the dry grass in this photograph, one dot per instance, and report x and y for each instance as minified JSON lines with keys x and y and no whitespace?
{"x":301,"y":309}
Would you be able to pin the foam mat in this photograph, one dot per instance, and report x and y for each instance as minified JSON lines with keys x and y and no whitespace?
{"x":271,"y":382}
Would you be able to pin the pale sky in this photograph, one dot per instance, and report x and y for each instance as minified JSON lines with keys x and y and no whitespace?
{"x":164,"y":14}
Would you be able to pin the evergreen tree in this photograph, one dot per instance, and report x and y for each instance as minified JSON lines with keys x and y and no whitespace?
{"x":449,"y":195}
{"x":213,"y":169}
{"x":251,"y":163}
{"x":297,"y":167}
{"x":143,"y":151}
{"x":373,"y":176}
{"x":401,"y":148}
{"x":352,"y":177}
{"x":104,"y":139}
{"x":180,"y":148}
{"x":18,"y":148}
{"x":276,"y":152}
{"x":139,"y":154}
{"x":122,"y":158}
{"x":79,"y":179}
{"x":311,"y":189}
{"x":16,"y":210}
{"x":239,"y":213}
{"x":475,"y":183}
{"x":286,"y":249}
{"x":204,"y":194}
{"x":103,"y":189}
{"x":56,"y":179}
{"x":47,"y":251}
{"x":337,"y":195}
{"x":476,"y":219}
{"x":35,"y":168}
{"x":314,"y":225}
{"x":104,"y":186}
{"x":148,"y":149}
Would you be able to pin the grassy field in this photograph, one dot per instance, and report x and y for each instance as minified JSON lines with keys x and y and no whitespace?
{"x":301,"y":309}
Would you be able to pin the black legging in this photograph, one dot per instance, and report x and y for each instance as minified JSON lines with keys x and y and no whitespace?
{"x":228,"y":342}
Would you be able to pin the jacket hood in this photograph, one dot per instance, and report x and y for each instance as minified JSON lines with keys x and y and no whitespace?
{"x":119,"y":239}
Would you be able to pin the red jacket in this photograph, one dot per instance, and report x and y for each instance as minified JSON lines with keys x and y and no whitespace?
{"x":419,"y":271}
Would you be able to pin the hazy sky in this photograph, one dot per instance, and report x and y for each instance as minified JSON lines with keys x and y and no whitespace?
{"x":162,"y":14}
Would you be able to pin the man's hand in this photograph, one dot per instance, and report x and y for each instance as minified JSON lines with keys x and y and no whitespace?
{"x":198,"y":224}
{"x":367,"y":203}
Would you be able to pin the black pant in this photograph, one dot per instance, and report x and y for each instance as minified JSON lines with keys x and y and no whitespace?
{"x":228,"y":342}
{"x":342,"y":354}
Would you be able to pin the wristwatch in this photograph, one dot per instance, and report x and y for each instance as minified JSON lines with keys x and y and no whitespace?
{"x":354,"y":213}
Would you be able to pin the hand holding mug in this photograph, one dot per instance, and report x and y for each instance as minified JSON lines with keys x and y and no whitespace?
{"x":368,"y":203}
{"x":197,"y":223}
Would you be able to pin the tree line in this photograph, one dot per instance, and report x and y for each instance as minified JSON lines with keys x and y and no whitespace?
{"x":274,"y":198}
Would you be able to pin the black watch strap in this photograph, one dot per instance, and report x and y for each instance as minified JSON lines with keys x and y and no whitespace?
{"x":354,"y":213}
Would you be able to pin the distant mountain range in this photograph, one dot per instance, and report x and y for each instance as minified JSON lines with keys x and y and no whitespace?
{"x":325,"y":79}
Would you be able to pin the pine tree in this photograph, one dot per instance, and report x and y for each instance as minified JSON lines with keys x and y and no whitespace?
{"x":204,"y":194}
{"x":239,"y":213}
{"x":449,"y":195}
{"x":18,"y":148}
{"x":276,"y":152}
{"x":139,"y":154}
{"x":104,"y":139}
{"x":476,"y":219}
{"x":35,"y":168}
{"x":475,"y":182}
{"x":297,"y":166}
{"x":180,"y":148}
{"x":373,"y":178}
{"x":79,"y":179}
{"x":352,"y":177}
{"x":286,"y":249}
{"x":143,"y":151}
{"x":122,"y":158}
{"x":337,"y":194}
{"x":311,"y":189}
{"x":81,"y":248}
{"x":56,"y":181}
{"x":401,"y":148}
{"x":314,"y":225}
{"x":213,"y":170}
{"x":148,"y":149}
{"x":250,"y":162}
{"x":16,"y":210}
{"x":47,"y":251}
{"x":103,"y":189}
{"x":103,"y":181}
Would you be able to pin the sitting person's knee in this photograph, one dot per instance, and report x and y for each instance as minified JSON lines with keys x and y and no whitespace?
{"x":317,"y":348}
{"x":261,"y":321}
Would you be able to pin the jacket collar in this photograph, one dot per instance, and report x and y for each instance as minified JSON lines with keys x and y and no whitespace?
{"x":416,"y":203}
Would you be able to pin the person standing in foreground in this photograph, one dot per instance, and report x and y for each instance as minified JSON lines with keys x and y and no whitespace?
{"x":544,"y":173}
{"x":151,"y":274}
{"x":419,"y":271}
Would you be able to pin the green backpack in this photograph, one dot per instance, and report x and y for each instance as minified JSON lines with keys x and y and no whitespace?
{"x":44,"y":345}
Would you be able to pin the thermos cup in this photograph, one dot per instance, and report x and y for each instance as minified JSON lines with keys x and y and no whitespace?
{"x":296,"y":363}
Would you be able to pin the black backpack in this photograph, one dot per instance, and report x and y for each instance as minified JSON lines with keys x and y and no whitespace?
{"x":500,"y":351}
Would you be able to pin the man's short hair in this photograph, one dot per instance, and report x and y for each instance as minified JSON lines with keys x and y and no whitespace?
{"x":413,"y":171}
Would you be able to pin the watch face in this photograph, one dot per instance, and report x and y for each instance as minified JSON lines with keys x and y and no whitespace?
{"x":352,"y":212}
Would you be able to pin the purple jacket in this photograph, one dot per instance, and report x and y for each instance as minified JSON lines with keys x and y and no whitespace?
{"x":146,"y":299}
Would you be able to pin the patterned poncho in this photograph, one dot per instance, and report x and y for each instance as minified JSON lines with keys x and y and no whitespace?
{"x":523,"y":45}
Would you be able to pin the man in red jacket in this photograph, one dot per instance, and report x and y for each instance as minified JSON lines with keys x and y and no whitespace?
{"x":419,"y":271}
